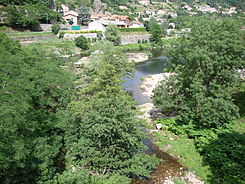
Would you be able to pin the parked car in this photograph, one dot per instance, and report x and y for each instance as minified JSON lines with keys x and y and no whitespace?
{"x":64,"y":28}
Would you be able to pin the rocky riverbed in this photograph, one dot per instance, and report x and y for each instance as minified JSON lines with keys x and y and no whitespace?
{"x":137,"y":57}
{"x":168,"y":170}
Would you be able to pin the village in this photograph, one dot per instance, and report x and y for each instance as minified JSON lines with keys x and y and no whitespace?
{"x":98,"y":21}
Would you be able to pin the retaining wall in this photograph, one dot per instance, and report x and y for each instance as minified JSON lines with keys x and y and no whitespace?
{"x":134,"y":38}
{"x":69,"y":36}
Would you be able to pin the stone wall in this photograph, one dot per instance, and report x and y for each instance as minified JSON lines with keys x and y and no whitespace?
{"x":133,"y":38}
{"x":69,"y":36}
{"x":126,"y":39}
{"x":48,"y":27}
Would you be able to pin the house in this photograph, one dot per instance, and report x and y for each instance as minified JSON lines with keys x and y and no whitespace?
{"x":124,"y":18}
{"x":136,"y":24}
{"x":71,"y":16}
{"x":123,"y":7}
{"x":100,"y":25}
{"x":161,"y":12}
{"x":188,"y":8}
{"x":99,"y":16}
{"x":206,"y":9}
{"x":144,"y":2}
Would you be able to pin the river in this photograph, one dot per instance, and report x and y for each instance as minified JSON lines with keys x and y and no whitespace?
{"x":169,"y":167}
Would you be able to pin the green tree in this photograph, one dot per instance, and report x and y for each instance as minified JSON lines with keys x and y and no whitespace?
{"x":84,"y":15}
{"x":206,"y":63}
{"x":106,"y":135}
{"x":156,"y":32}
{"x":82,"y":42}
{"x":113,"y":34}
{"x":34,"y":94}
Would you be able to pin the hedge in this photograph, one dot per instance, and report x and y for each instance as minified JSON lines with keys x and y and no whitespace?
{"x":130,"y":29}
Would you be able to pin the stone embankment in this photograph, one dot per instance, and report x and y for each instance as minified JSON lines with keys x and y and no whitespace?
{"x":134,"y":38}
{"x":126,"y":39}
{"x":71,"y":36}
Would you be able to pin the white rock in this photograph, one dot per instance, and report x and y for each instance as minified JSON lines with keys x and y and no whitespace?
{"x":159,"y":126}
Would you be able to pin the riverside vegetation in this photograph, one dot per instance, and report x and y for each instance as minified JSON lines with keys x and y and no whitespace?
{"x":202,"y":95}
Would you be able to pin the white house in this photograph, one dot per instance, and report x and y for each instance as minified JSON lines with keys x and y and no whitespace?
{"x":186,"y":7}
{"x":136,"y":24}
{"x":100,"y":25}
{"x":161,"y":12}
{"x":71,"y":16}
{"x":96,"y":26}
{"x":144,"y":2}
{"x":206,"y":9}
{"x":123,"y":7}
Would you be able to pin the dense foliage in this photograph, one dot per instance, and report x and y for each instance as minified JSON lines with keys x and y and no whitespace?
{"x":106,"y":136}
{"x":206,"y":76}
{"x":84,"y":15}
{"x":30,"y":15}
{"x":34,"y":94}
{"x":156,"y":32}
{"x":82,"y":42}
{"x":113,"y":34}
{"x":96,"y":140}
{"x":207,"y":65}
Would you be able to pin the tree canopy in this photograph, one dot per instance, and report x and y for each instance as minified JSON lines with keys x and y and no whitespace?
{"x":205,"y":63}
{"x":34,"y":93}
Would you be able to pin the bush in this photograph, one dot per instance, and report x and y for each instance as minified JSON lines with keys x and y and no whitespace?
{"x":82,"y":42}
{"x":55,"y":28}
{"x":61,"y":35}
{"x":99,"y":35}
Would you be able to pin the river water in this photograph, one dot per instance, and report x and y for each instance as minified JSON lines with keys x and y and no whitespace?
{"x":154,"y":65}
{"x":169,"y":167}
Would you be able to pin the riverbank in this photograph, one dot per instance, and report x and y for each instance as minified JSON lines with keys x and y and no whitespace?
{"x":180,"y":148}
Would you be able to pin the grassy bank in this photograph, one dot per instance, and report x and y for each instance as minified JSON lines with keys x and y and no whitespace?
{"x":135,"y":47}
{"x":185,"y":150}
{"x":29,"y":34}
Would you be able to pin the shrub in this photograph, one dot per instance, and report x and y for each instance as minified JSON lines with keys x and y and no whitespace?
{"x":61,"y":34}
{"x":55,"y":28}
{"x":99,"y":35}
{"x":82,"y":42}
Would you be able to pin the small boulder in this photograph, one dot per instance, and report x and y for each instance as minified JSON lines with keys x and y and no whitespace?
{"x":158,"y":126}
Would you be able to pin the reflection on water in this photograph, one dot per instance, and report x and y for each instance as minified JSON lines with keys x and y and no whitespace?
{"x":154,"y":65}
